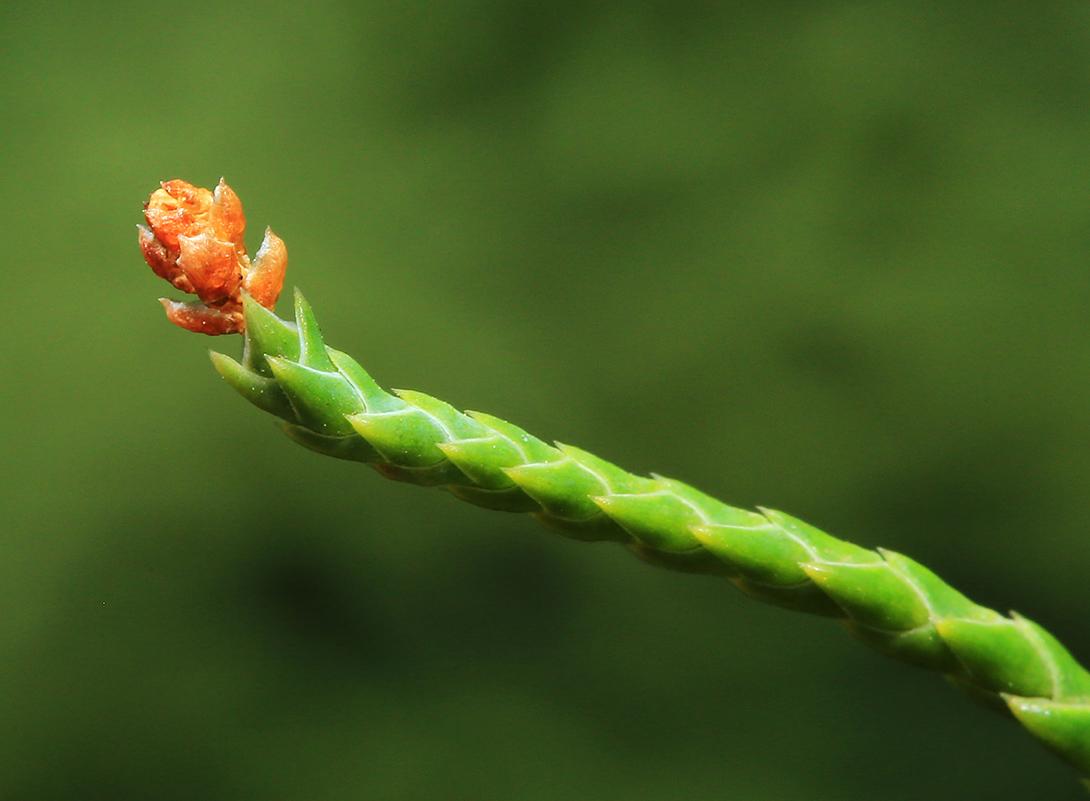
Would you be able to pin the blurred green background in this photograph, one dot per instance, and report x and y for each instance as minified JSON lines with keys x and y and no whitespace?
{"x":829,"y":257}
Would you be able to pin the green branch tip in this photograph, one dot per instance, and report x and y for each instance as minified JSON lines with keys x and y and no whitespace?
{"x":328,"y":403}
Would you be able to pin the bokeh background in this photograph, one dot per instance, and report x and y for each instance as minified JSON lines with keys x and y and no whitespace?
{"x":829,"y":257}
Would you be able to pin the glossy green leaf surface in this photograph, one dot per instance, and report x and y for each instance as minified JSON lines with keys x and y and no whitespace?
{"x":886,"y":600}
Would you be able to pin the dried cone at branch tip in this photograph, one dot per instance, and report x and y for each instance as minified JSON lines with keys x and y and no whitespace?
{"x":194,"y":241}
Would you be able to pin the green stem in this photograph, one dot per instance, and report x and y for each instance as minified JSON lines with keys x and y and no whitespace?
{"x":887,"y":601}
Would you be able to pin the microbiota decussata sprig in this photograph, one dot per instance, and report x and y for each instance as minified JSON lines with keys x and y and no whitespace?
{"x":330,"y":404}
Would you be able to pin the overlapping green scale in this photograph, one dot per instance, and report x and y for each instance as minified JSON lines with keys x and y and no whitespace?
{"x":330,"y":404}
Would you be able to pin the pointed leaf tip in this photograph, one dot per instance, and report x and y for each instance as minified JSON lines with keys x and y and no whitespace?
{"x":312,"y":348}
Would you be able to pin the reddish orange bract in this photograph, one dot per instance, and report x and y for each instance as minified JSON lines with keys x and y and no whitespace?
{"x":195,"y":243}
